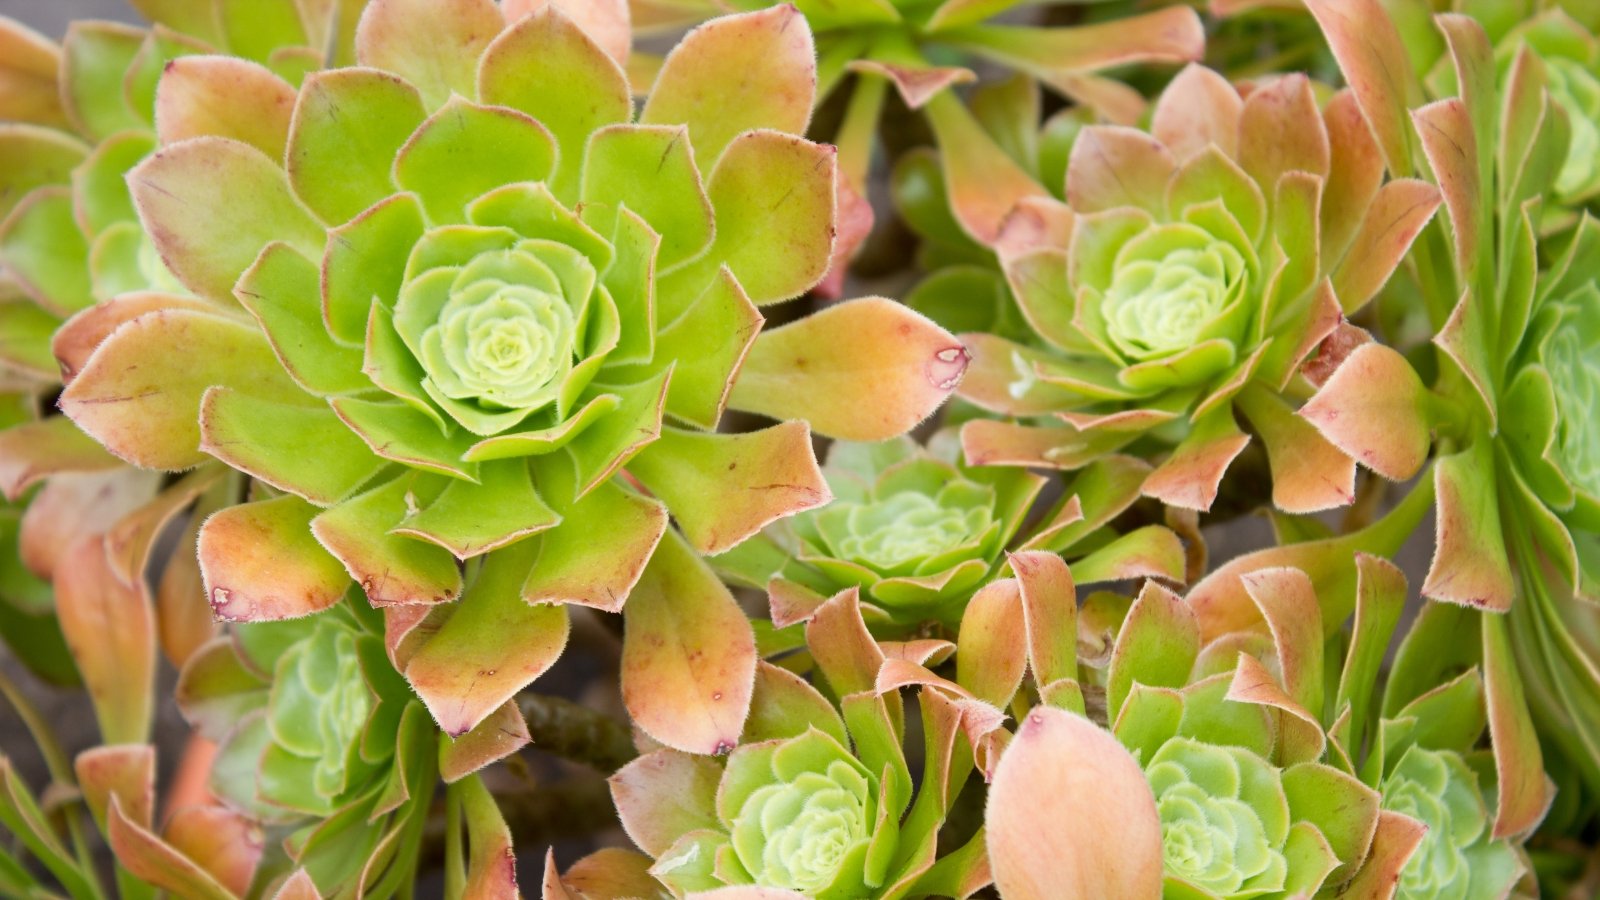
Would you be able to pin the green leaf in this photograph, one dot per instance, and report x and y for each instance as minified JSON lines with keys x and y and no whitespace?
{"x":99,"y":189}
{"x":651,"y":171}
{"x":723,"y":488}
{"x":465,"y":150}
{"x":280,"y":290}
{"x":471,"y":519}
{"x":396,"y":431}
{"x":1156,"y":647}
{"x":348,"y":126}
{"x":366,"y":264}
{"x":42,"y":248}
{"x":393,"y":570}
{"x":95,"y":56}
{"x":546,"y":66}
{"x":572,"y":567}
{"x":31,"y":157}
{"x":300,"y":446}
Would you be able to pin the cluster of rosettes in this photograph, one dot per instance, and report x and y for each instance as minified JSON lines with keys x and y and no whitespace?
{"x":476,"y":286}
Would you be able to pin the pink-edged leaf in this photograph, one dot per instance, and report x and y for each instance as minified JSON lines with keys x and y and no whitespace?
{"x":218,"y":840}
{"x":1470,"y":565}
{"x":790,"y":603}
{"x":1071,"y":815}
{"x":34,"y":451}
{"x":110,"y":627}
{"x":1288,"y":603}
{"x":985,"y":442}
{"x":77,"y":338}
{"x":1355,"y":172}
{"x":503,"y":733}
{"x":491,"y":861}
{"x":1451,"y":147}
{"x":737,"y":73}
{"x":1374,"y":61}
{"x":1397,"y":215}
{"x":1113,"y":166}
{"x":844,"y":650}
{"x":1281,"y":131}
{"x":992,"y":651}
{"x":774,"y":196}
{"x":552,"y":888}
{"x":722,"y":488}
{"x":490,"y":646}
{"x":1050,"y":614}
{"x":124,"y":771}
{"x":1374,"y":408}
{"x":210,"y":204}
{"x":604,"y":21}
{"x":1189,"y":477}
{"x":434,"y":44}
{"x":139,"y":394}
{"x":1523,"y":793}
{"x":1153,"y":551}
{"x":1199,"y":108}
{"x":73,"y":506}
{"x":183,"y":618}
{"x":1300,"y":736}
{"x":222,"y":96}
{"x":853,"y":221}
{"x":260,"y":562}
{"x":666,"y":794}
{"x":983,"y":182}
{"x":1395,"y":840}
{"x":864,"y":370}
{"x":391,"y":568}
{"x":1309,"y":474}
{"x":298,"y":886}
{"x":611,"y":873}
{"x":688,"y":655}
{"x":29,"y":91}
{"x":156,"y":862}
{"x":216,"y":689}
{"x":916,"y":84}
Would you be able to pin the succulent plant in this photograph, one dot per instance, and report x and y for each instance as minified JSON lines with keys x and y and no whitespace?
{"x":817,"y":800}
{"x":1192,"y":273}
{"x":448,"y":351}
{"x":319,"y":738}
{"x":919,"y":534}
{"x":1438,"y":789}
{"x":1513,"y":519}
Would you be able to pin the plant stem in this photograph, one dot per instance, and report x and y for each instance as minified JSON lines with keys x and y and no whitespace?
{"x":577,"y":733}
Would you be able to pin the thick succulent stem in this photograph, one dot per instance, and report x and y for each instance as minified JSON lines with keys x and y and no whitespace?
{"x":577,"y":733}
